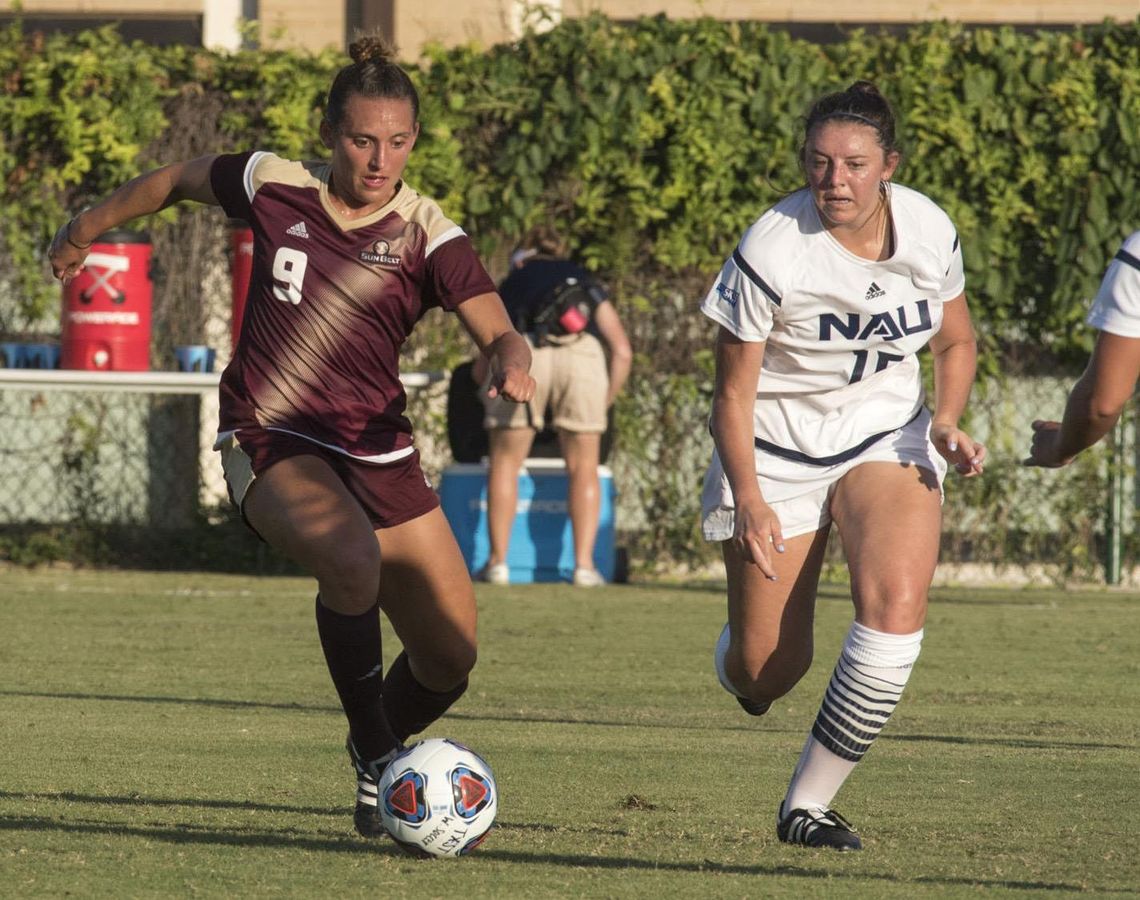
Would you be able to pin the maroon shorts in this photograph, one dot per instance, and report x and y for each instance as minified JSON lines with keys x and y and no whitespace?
{"x":390,"y":494}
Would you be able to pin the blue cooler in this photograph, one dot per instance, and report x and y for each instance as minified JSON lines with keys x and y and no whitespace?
{"x":542,"y":543}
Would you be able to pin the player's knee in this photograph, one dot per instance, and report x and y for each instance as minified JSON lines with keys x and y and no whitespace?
{"x":446,"y":667}
{"x":893,"y":608}
{"x":349,"y":579}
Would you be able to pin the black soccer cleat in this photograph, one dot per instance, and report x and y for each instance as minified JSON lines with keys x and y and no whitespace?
{"x":817,"y":828}
{"x":753,"y":707}
{"x":366,"y":817}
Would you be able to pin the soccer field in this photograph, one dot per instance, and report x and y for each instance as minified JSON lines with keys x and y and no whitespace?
{"x":176,"y":735}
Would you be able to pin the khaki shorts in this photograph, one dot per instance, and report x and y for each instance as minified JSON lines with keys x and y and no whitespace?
{"x":800,"y":493}
{"x":571,"y":379}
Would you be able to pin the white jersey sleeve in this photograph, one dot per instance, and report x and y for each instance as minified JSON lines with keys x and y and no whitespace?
{"x":740,"y":299}
{"x":1116,"y":307}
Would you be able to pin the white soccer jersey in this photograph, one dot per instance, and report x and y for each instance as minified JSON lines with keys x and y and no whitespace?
{"x":1116,"y":308}
{"x":841,"y":332}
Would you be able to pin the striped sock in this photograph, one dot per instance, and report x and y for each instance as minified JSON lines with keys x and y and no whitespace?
{"x":865,"y":687}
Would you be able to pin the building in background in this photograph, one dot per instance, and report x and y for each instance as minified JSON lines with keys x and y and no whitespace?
{"x":411,"y":24}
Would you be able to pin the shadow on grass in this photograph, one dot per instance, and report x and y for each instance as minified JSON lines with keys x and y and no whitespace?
{"x":191,"y":834}
{"x":339,"y":812}
{"x":218,"y":703}
{"x":159,"y":802}
{"x":830,"y":873}
{"x":664,"y":723}
{"x":1017,"y":743}
{"x":198,"y":834}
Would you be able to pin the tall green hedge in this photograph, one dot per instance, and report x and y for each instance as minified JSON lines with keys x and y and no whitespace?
{"x":651,"y":145}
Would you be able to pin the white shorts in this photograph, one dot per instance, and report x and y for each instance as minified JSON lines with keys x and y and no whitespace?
{"x":800,"y":493}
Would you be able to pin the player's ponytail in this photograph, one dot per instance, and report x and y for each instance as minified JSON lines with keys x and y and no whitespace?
{"x":373,"y":72}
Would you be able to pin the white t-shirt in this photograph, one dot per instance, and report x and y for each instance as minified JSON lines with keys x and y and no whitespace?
{"x":841,"y":331}
{"x":1116,"y":307}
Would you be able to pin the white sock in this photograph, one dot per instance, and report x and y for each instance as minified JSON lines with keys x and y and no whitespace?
{"x":865,"y":687}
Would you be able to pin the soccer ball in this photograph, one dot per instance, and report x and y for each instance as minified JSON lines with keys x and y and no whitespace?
{"x":438,"y":798}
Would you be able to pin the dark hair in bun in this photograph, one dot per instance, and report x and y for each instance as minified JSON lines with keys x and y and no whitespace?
{"x":372,"y":73}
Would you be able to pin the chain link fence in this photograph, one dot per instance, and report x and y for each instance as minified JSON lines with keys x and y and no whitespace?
{"x":114,"y":474}
{"x":92,"y":473}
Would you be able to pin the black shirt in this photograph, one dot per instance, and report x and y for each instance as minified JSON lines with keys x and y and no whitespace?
{"x":531,"y":290}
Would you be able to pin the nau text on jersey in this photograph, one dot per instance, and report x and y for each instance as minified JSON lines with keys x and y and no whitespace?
{"x":886,"y":325}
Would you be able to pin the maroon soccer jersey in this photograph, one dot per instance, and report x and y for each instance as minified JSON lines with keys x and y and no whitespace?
{"x":331,"y":301}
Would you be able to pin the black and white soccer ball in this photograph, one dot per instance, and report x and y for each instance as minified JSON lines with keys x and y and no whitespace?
{"x":438,"y":798}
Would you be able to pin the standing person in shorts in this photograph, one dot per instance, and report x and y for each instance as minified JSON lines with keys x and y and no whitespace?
{"x":818,"y":417}
{"x":582,"y":358}
{"x":317,"y":452}
{"x":1109,"y":380}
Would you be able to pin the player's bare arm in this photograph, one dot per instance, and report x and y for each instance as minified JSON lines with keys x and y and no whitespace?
{"x":148,"y":193}
{"x":955,"y":352}
{"x":619,"y":354}
{"x":506,"y":352}
{"x":757,"y":529}
{"x":1094,"y":405}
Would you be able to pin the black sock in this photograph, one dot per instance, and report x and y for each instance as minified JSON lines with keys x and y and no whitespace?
{"x":411,"y":707}
{"x":352,"y":651}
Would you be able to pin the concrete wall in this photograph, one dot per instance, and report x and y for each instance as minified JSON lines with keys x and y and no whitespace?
{"x":313,"y":26}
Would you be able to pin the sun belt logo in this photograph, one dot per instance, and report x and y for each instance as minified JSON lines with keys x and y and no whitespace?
{"x":727,"y":294}
{"x":874,"y":292}
{"x":299,"y":230}
{"x":380,"y":254}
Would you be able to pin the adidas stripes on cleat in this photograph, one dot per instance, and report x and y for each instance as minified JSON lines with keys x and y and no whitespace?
{"x":817,"y":828}
{"x":366,"y":817}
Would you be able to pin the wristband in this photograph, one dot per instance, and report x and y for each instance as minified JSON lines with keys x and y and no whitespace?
{"x":67,"y":237}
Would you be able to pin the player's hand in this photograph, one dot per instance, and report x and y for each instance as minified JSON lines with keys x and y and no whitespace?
{"x":66,"y":259}
{"x":1044,"y":449}
{"x":758,"y":536}
{"x":512,"y":383}
{"x":966,"y":455}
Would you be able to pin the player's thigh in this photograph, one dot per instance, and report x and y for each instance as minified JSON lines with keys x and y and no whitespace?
{"x":581,"y":450}
{"x":427,"y":595}
{"x":890,"y":518}
{"x":301,"y":507}
{"x":770,"y":622}
{"x":509,"y":447}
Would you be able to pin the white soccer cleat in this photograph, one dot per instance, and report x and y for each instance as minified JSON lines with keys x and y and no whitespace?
{"x":495,"y":573}
{"x":588,"y":578}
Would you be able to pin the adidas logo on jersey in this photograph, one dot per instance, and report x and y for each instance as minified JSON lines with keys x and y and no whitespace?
{"x":874,"y":292}
{"x":299,"y":230}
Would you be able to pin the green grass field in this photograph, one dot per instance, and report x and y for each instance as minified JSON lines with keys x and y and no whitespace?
{"x":176,"y":735}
